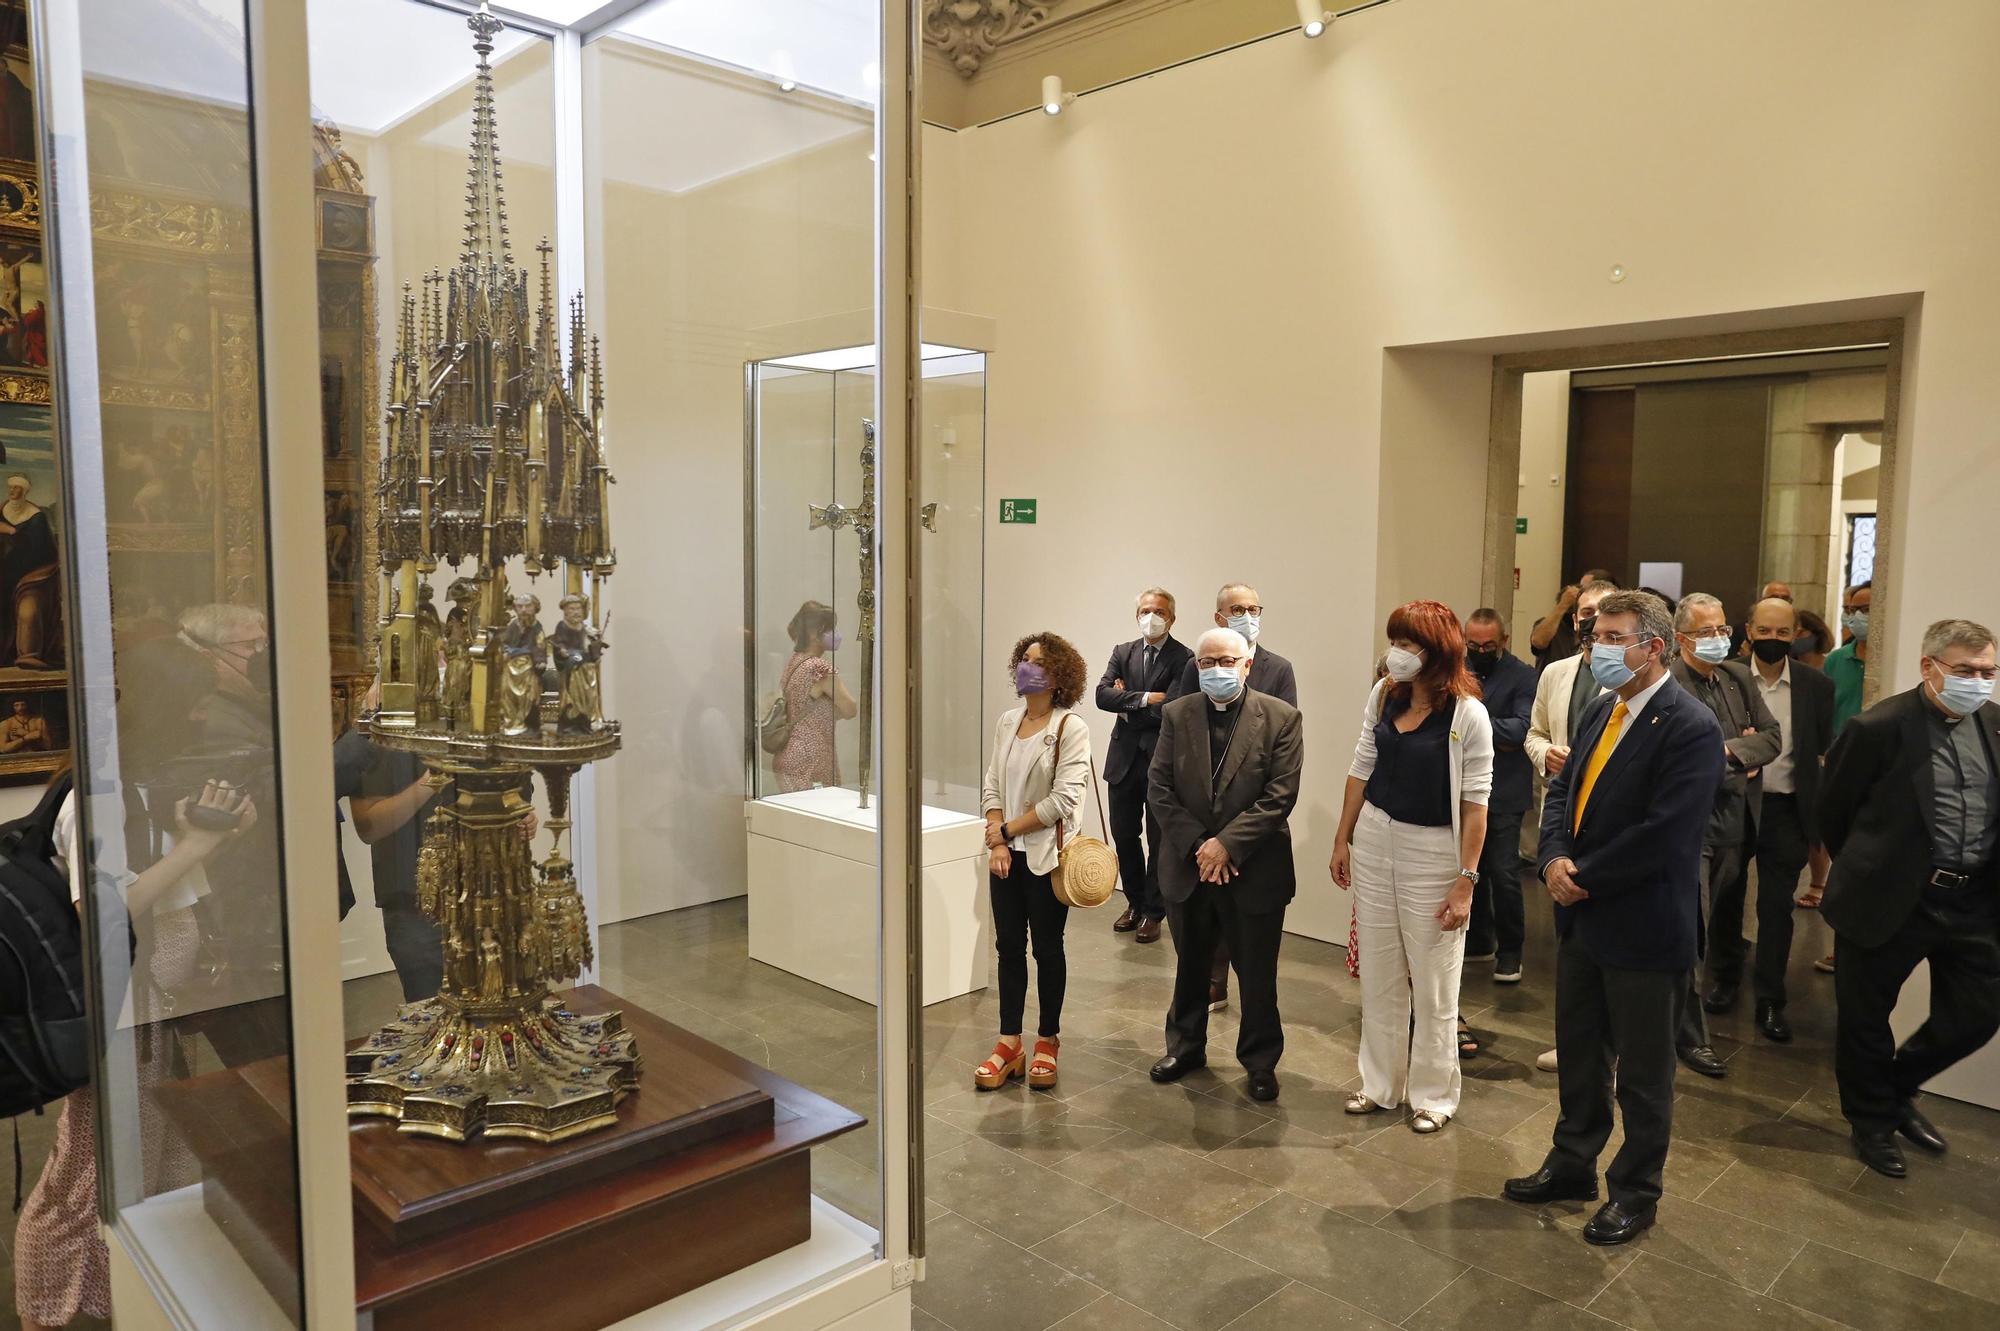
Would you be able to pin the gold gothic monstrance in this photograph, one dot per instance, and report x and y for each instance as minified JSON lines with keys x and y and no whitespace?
{"x":495,"y":452}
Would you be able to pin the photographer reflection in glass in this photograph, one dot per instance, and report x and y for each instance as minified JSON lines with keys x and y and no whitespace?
{"x":815,"y":697}
{"x":175,"y":828}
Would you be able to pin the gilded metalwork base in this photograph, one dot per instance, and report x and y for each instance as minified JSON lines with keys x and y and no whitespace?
{"x":445,"y":1073}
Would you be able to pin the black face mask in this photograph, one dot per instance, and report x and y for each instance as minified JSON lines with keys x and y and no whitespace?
{"x":1586,"y":627}
{"x":1805,"y":644}
{"x":1771,"y":650}
{"x":1483,"y":660}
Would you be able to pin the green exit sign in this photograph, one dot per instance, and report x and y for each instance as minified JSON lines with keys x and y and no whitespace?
{"x":1017,"y":510}
{"x":1520,"y":526}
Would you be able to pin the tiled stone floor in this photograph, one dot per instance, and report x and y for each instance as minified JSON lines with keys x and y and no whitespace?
{"x":1116,"y":1205}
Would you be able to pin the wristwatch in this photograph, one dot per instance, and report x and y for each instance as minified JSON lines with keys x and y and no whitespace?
{"x":1471,"y":875}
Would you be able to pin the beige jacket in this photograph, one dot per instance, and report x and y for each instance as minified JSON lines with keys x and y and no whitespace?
{"x":1055,"y":795}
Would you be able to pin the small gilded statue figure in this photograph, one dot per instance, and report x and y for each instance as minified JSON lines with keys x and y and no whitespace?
{"x":578,"y":648}
{"x":524,"y":660}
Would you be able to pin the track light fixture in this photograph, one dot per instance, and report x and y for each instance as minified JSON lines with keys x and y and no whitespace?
{"x":1314,"y":19}
{"x":786,"y":72}
{"x":1054,"y":99}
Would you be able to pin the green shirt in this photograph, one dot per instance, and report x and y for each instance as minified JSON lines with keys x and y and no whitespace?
{"x":1846,"y":670}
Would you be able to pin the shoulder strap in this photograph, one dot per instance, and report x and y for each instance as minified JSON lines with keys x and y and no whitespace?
{"x":1055,"y":766}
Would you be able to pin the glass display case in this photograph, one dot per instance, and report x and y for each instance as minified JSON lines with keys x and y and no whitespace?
{"x":416,"y":324}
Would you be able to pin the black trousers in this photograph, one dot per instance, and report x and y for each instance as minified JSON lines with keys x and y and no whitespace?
{"x":1207,"y":918}
{"x":415,"y":946}
{"x":1025,"y":906}
{"x":1720,"y":866}
{"x":1137,"y":874}
{"x":1954,"y":930}
{"x":1499,"y":921}
{"x":1608,"y":1017}
{"x":1780,"y":855}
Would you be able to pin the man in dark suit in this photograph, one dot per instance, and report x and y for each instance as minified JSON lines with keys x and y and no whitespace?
{"x":1622,"y":834}
{"x":1225,"y":778}
{"x":1499,"y":921}
{"x":1238,"y":607}
{"x":1800,"y":699}
{"x":1750,"y":739}
{"x":1911,"y":811}
{"x":1134,"y":690}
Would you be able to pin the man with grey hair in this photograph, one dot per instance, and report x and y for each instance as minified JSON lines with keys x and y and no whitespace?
{"x":1750,"y":740}
{"x":1134,"y":689}
{"x":1224,"y":781}
{"x":1239,"y":607}
{"x":1910,"y":809}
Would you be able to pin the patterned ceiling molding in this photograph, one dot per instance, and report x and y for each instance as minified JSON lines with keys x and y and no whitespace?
{"x":968,"y":31}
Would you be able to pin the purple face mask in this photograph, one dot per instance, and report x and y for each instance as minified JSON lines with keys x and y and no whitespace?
{"x":1030,"y":678}
{"x":831,"y":640}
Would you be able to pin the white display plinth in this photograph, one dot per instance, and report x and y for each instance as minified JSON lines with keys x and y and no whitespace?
{"x":815,"y":897}
{"x":1975,"y":1079}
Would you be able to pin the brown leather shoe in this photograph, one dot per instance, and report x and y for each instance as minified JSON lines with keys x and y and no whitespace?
{"x":1149,"y":932}
{"x":1125,"y":923}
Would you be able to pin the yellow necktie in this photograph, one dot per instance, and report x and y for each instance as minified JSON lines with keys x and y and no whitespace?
{"x":1598,"y":757}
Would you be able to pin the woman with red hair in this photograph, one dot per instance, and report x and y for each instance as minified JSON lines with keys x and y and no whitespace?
{"x":1411,"y":829}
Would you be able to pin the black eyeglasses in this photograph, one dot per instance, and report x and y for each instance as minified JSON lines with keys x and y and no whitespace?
{"x":1225,"y":662}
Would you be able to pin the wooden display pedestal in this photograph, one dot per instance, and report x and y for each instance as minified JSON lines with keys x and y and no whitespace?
{"x":707,"y":1170}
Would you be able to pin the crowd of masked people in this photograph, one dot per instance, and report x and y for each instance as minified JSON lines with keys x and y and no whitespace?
{"x":1657,"y":752}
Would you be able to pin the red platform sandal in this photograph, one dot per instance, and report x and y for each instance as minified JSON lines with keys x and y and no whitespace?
{"x":1001,"y":1066}
{"x":1042,"y":1072}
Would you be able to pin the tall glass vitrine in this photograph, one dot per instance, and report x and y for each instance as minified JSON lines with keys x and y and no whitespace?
{"x":251,"y":187}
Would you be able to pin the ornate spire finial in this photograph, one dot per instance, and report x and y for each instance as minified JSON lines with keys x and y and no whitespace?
{"x":485,"y":202}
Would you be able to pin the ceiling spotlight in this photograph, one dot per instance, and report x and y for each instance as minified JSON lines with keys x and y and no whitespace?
{"x":787,"y":74}
{"x":1054,"y":99}
{"x":1313,"y":19}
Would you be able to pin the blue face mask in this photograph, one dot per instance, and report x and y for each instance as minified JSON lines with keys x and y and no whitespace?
{"x":1608,"y":668}
{"x":1221,"y":683}
{"x":1804,"y":645}
{"x":1246,"y":625}
{"x":1963,"y":697}
{"x":1712,"y":650}
{"x":1856,"y":622}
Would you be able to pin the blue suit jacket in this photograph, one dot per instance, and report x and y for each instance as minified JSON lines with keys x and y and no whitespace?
{"x":1509,"y":694}
{"x":1638,"y":852}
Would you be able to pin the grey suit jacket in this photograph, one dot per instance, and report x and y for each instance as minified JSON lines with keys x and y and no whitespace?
{"x":1247,"y":810}
{"x":1732,"y":696}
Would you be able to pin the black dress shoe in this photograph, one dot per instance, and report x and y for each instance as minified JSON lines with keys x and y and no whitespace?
{"x":1545,"y":1185}
{"x":1878,"y":1151}
{"x":1705,"y":1061}
{"x":1149,"y":932}
{"x":1175,"y":1066}
{"x":1721,"y":996}
{"x":1771,"y":1022}
{"x":1614,"y":1224}
{"x":1125,"y":923}
{"x":1264,"y":1086}
{"x":1920,"y":1129}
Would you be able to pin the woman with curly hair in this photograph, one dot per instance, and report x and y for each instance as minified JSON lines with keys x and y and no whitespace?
{"x":1035,"y":780}
{"x":1411,"y":829}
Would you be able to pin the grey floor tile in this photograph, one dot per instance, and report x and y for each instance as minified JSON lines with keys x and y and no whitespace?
{"x":923,"y":1321}
{"x":1865,"y":1294}
{"x":1504,"y":1238}
{"x":1175,"y":1114}
{"x":1318,"y":1107}
{"x":1482,"y":1301}
{"x":1715,"y":1243}
{"x":1843,"y":1220}
{"x":1975,"y":1267}
{"x":1187,"y":1191}
{"x":1373,"y":1269}
{"x":1951,"y":1189}
{"x":1012,"y":1196}
{"x":974,"y":1280}
{"x":1653,"y":1294}
{"x":1464,"y":1156}
{"x":1330,"y":1173}
{"x":1112,"y":1313}
{"x":1299,"y":1307}
{"x":1185,"y":1281}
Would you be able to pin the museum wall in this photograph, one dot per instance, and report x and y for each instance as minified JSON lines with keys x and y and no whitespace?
{"x":1197,"y":275}
{"x":1544,"y":454}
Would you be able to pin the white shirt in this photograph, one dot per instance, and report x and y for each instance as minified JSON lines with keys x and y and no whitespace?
{"x":1778,"y":697}
{"x":1021,"y":755}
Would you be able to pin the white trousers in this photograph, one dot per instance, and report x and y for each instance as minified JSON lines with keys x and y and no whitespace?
{"x":1401,"y":874}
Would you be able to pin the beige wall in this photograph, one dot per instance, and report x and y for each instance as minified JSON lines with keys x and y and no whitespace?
{"x":1543,"y":488}
{"x":1199,"y":273}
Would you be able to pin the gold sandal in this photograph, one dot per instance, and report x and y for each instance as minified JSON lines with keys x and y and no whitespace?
{"x":1426,"y":1121}
{"x":1358,"y":1103}
{"x":1001,"y":1066}
{"x":1042,"y":1071}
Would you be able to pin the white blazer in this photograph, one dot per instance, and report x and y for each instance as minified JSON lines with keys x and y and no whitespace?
{"x":1471,"y":750}
{"x":1055,"y":795}
{"x":1548,"y":725}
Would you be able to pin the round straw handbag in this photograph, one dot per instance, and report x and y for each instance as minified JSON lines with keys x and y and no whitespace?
{"x":1086,"y":868}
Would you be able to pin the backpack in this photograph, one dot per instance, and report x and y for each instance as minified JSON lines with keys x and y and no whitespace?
{"x":775,"y":730}
{"x":44,"y":1024}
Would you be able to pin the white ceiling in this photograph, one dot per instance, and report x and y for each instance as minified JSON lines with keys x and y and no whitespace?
{"x":829,"y":45}
{"x":376,"y":61}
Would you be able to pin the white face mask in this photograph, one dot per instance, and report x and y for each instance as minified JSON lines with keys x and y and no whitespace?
{"x":1403,"y":665}
{"x":1153,"y":626}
